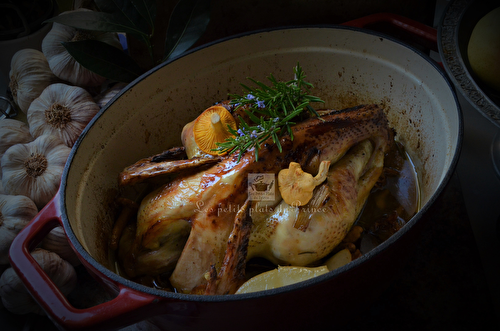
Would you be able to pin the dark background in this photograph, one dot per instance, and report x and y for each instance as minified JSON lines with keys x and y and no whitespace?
{"x":442,"y":285}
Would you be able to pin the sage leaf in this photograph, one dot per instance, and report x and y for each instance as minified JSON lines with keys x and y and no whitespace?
{"x":147,"y":9}
{"x":188,"y":22}
{"x":104,"y":59}
{"x":97,"y":21}
{"x":139,"y":14}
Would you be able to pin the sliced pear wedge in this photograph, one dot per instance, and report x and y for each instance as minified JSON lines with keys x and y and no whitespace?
{"x":279,"y":277}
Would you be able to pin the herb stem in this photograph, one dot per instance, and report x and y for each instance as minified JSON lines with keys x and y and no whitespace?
{"x":277,"y":106}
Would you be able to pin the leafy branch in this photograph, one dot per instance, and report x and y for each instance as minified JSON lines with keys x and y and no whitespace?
{"x":271,"y":109}
{"x":187,"y":24}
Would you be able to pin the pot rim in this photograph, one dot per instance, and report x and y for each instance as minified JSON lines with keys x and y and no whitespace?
{"x":277,"y":291}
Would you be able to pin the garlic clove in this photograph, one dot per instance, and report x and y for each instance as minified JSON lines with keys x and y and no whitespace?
{"x":13,"y":132}
{"x":29,"y":75}
{"x":34,"y":169}
{"x":57,"y":242}
{"x":103,"y":98}
{"x":62,"y":64}
{"x":63,"y":111}
{"x":15,"y":296}
{"x":15,"y":212}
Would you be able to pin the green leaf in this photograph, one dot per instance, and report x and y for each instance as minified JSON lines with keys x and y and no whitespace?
{"x":104,"y":60}
{"x":139,"y":14}
{"x":187,"y":24}
{"x":147,"y":9}
{"x":97,"y":21}
{"x":251,"y":115}
{"x":277,"y":142}
{"x":283,"y":102}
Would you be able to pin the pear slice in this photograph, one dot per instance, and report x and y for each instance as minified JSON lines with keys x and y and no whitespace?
{"x":279,"y":277}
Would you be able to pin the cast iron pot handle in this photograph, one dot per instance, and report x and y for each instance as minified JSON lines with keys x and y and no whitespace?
{"x":424,"y":34}
{"x":115,"y":313}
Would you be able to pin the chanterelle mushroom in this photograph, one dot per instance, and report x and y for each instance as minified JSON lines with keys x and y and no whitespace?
{"x":296,"y":186}
{"x":211,"y":127}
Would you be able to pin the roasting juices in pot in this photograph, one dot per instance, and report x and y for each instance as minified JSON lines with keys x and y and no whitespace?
{"x":264,"y":180}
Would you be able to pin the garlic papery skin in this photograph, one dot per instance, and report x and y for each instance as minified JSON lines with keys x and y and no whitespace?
{"x":15,"y":296}
{"x":61,"y":110}
{"x":62,"y":64}
{"x":13,"y":132}
{"x":34,"y":169}
{"x":29,"y":75}
{"x":57,"y":242}
{"x":15,"y":212}
{"x":103,"y":98}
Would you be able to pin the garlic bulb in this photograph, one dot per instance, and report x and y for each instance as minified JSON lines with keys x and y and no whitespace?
{"x":15,"y":212}
{"x":62,"y":64}
{"x":15,"y":296}
{"x":13,"y":132}
{"x":61,"y":110}
{"x":103,"y":98}
{"x":29,"y":75}
{"x":34,"y":169}
{"x":57,"y":242}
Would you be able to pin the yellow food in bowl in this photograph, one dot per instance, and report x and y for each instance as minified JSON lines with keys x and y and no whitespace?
{"x":484,"y":49}
{"x":281,"y":276}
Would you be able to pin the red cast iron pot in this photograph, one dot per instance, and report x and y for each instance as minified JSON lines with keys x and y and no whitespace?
{"x":348,"y":66}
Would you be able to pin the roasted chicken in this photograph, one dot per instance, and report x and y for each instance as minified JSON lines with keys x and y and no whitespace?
{"x":201,"y":227}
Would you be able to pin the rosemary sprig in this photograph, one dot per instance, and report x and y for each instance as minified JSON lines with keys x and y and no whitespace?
{"x":272,"y":110}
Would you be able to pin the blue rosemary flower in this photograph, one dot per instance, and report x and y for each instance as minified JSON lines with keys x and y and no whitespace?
{"x":260,"y":104}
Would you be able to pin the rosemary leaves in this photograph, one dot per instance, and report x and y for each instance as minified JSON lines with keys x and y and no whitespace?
{"x":272,"y":111}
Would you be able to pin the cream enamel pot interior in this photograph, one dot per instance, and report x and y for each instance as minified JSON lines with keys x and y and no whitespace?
{"x":348,"y":66}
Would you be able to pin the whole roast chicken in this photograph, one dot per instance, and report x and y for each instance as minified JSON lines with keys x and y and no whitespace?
{"x":202,"y":226}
